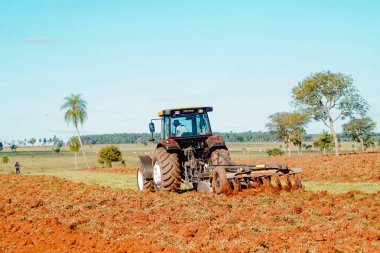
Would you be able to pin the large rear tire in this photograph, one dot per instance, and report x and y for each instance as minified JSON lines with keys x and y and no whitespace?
{"x":142,"y":182}
{"x":166,"y":171}
{"x":216,"y":159}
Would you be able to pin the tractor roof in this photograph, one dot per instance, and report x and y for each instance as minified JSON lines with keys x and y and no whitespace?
{"x":184,"y":110}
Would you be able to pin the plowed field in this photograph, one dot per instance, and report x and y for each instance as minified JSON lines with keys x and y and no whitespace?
{"x":361,"y":167}
{"x":49,"y":214}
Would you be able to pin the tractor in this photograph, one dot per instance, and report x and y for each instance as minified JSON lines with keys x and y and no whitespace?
{"x":188,"y":153}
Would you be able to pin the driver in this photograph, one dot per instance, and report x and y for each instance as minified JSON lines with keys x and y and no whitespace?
{"x":179,"y":129}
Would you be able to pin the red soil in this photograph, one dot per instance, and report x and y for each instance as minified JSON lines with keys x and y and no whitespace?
{"x":361,"y":167}
{"x":48,"y":214}
{"x":41,"y":213}
{"x":116,"y":170}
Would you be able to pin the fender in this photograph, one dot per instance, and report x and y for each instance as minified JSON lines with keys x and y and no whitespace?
{"x":169,"y":145}
{"x":146,"y":162}
{"x":215,"y":142}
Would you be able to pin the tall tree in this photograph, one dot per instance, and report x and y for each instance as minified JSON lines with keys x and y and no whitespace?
{"x":287,"y":126}
{"x":327,"y":97}
{"x":298,"y":136}
{"x":360,"y":130}
{"x":74,"y":147}
{"x":76,"y":113}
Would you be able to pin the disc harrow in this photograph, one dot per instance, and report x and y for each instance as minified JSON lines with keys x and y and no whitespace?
{"x":237,"y":177}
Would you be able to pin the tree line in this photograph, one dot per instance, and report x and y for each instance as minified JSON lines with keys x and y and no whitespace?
{"x":135,"y":138}
{"x":33,"y":141}
{"x":131,"y":138}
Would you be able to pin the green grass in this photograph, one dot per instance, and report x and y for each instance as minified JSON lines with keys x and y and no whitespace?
{"x":338,"y":187}
{"x":127,"y":181}
{"x":37,"y":158}
{"x":122,"y":181}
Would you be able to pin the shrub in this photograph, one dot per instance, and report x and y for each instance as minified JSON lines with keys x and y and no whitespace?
{"x":109,"y":154}
{"x":274,"y":152}
{"x":13,"y":147}
{"x":325,"y":142}
{"x":307,"y":146}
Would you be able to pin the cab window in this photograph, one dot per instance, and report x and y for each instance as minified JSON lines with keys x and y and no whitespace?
{"x":190,"y":125}
{"x":166,"y":128}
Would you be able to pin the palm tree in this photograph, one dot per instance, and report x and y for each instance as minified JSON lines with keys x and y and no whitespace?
{"x":74,"y":147}
{"x":76,"y":112}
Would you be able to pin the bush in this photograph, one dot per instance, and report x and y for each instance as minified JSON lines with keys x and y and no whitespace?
{"x":369,"y":143}
{"x":274,"y":152}
{"x":109,"y":154}
{"x":13,"y":147}
{"x":307,"y":146}
{"x":325,"y":142}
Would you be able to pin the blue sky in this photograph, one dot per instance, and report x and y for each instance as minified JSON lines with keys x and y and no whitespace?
{"x":129,"y":59}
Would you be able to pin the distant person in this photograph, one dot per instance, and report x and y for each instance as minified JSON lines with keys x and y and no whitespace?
{"x":17,"y":166}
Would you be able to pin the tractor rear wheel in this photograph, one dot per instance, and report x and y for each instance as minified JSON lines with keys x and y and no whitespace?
{"x":216,"y":159}
{"x":142,"y":182}
{"x":166,"y":171}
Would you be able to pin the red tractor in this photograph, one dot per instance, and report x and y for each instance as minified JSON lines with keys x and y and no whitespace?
{"x":189,"y":153}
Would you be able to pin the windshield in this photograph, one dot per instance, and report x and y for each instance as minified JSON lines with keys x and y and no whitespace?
{"x":190,"y":125}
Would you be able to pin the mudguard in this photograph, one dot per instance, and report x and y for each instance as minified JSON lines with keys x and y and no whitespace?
{"x":215,"y":142}
{"x":169,"y":145}
{"x":146,"y":162}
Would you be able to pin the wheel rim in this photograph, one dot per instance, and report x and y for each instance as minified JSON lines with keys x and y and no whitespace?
{"x":157,"y":175}
{"x":140,"y":181}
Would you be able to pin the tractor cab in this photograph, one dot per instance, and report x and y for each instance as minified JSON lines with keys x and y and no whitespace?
{"x":184,"y":128}
{"x":183,"y":123}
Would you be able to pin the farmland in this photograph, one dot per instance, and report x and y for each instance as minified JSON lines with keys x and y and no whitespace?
{"x":52,"y":207}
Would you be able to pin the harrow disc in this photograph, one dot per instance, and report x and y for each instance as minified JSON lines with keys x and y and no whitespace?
{"x":278,"y":182}
{"x":289,"y":185}
{"x":300,"y":186}
{"x":219,"y":180}
{"x":204,"y":187}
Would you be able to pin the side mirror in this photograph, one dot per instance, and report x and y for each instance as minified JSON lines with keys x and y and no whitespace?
{"x":151,"y":127}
